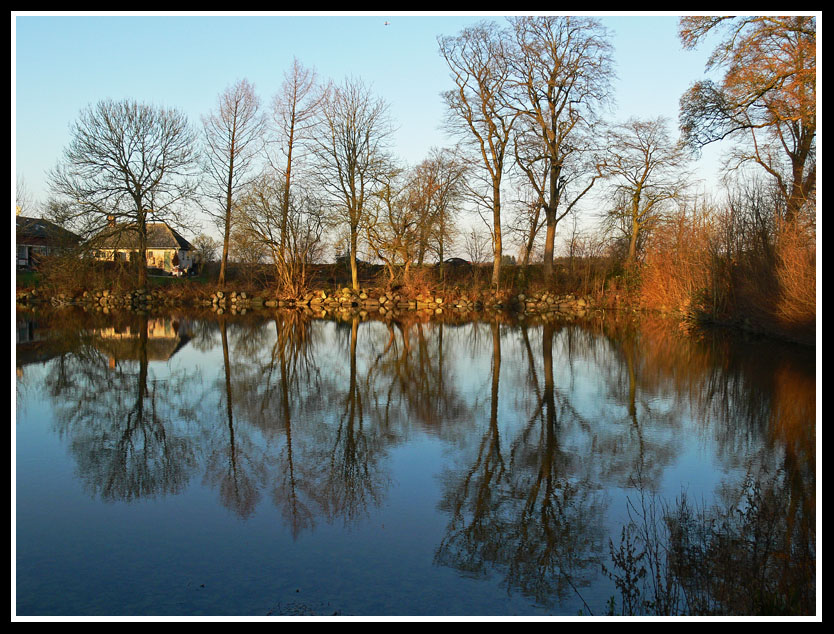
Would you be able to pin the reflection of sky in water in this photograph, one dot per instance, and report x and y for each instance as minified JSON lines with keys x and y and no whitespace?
{"x":333,"y":513}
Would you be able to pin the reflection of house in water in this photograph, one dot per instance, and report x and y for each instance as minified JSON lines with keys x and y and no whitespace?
{"x":36,"y":343}
{"x":165,"y":337}
{"x":33,"y":345}
{"x":27,"y":332}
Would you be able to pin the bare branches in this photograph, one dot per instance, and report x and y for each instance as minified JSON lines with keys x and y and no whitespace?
{"x":350,"y":148}
{"x":233,"y":139}
{"x":295,"y":111}
{"x":561,"y":74}
{"x":127,"y":163}
{"x":436,"y":191}
{"x":289,"y":230}
{"x":477,"y":59}
{"x":392,"y":230}
{"x":646,"y":167}
{"x":294,"y":115}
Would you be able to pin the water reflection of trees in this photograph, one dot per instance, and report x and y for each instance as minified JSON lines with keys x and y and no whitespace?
{"x":754,"y":550}
{"x":326,"y":399}
{"x":347,"y":467}
{"x":597,"y":412}
{"x":127,"y":427}
{"x":755,"y":399}
{"x":235,"y":462}
{"x":268,"y":375}
{"x":410,"y":378}
{"x":525,"y":504}
{"x":319,"y":453}
{"x":302,"y":412}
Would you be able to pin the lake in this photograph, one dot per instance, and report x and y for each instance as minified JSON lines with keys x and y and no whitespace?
{"x":274,"y":465}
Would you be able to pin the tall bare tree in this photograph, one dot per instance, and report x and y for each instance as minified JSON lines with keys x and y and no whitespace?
{"x":350,"y":146}
{"x":561,"y":75}
{"x":478,"y":112}
{"x":294,"y":113}
{"x":645,"y":164}
{"x":126,"y":164}
{"x":767,"y":97}
{"x":233,"y":138}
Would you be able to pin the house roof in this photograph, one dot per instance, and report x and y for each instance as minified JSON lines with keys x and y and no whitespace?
{"x":160,"y":236}
{"x":41,"y":231}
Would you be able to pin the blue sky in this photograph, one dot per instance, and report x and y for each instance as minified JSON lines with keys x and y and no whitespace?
{"x":62,"y":63}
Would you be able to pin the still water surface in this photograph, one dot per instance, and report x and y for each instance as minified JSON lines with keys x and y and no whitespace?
{"x":278,"y":465}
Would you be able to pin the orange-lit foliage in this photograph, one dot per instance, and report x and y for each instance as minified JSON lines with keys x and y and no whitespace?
{"x":696,"y":266}
{"x":679,"y":269}
{"x":777,"y":292}
{"x":767,"y":96}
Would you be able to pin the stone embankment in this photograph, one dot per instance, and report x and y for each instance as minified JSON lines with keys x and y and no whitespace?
{"x":323,"y":302}
{"x":104,"y":300}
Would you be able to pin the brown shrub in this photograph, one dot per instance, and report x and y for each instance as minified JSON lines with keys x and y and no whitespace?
{"x":768,"y":284}
{"x":776,"y":290}
{"x":678,"y":272}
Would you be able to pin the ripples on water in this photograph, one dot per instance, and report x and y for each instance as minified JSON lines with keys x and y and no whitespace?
{"x":287,"y":466}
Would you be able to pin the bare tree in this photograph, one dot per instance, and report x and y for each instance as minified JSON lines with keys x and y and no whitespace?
{"x":233,"y":137}
{"x":561,"y":74}
{"x":646,"y":165}
{"x":436,"y":191}
{"x":290,"y":231}
{"x":126,"y":164}
{"x":350,"y":147}
{"x":294,"y":113}
{"x":476,"y":245}
{"x":478,"y":112}
{"x":207,"y":248}
{"x":392,"y":230}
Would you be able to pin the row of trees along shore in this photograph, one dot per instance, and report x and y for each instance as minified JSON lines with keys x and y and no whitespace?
{"x":526,"y":109}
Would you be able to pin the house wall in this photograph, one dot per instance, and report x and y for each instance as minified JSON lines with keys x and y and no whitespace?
{"x":186,"y":259}
{"x":157,"y":258}
{"x":26,"y":251}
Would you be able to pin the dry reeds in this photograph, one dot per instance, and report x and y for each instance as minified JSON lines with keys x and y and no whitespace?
{"x":712,"y":263}
{"x":680,"y":269}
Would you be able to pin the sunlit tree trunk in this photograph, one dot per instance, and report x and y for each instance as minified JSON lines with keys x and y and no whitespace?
{"x":233,"y":136}
{"x":478,"y":111}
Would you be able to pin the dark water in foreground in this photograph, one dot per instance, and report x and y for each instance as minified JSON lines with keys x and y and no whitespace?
{"x":251,"y":466}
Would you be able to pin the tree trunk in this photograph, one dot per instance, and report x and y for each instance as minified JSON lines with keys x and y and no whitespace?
{"x":550,"y":218}
{"x":143,"y":251}
{"x":531,"y":238}
{"x":496,"y":236}
{"x":226,"y":230}
{"x":549,"y":242}
{"x":631,"y":258}
{"x":354,"y":272}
